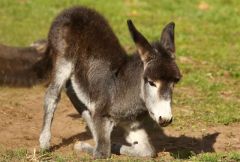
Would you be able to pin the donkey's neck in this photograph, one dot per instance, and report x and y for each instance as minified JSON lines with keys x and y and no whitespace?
{"x":128,"y":104}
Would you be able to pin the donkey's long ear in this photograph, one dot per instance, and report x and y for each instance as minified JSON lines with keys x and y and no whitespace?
{"x":143,"y":46}
{"x":167,"y":39}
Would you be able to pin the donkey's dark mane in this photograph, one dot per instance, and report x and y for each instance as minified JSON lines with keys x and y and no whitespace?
{"x":163,"y":66}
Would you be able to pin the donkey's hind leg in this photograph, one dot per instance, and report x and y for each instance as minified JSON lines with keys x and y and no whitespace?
{"x":61,"y":74}
{"x":137,"y":137}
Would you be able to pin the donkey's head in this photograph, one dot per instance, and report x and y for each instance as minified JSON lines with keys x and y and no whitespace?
{"x":160,"y":72}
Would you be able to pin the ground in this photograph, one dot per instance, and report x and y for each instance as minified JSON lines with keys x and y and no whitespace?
{"x":21,"y":121}
{"x":206,"y":102}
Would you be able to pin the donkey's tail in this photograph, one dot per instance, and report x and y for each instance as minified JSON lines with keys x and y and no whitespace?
{"x":24,"y":67}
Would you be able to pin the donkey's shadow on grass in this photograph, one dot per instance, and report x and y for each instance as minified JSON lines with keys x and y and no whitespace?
{"x":181,"y":147}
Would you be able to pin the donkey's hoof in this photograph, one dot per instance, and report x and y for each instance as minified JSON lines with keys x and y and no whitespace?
{"x":152,"y":154}
{"x":83,"y":147}
{"x":44,"y":140}
{"x":78,"y":146}
{"x":115,"y":149}
{"x":44,"y":151}
{"x":44,"y":145}
{"x":101,"y":155}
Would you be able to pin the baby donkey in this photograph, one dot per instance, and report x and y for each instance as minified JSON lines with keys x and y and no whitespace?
{"x":112,"y":87}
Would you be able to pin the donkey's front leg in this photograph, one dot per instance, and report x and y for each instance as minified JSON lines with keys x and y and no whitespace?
{"x":103,"y":129}
{"x":140,"y":144}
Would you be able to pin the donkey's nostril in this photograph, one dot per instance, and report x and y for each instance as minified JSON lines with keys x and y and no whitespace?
{"x":160,"y":120}
{"x":164,"y":121}
{"x":171,"y":120}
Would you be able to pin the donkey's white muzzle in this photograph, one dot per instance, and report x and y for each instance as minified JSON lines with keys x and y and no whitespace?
{"x":162,"y":112}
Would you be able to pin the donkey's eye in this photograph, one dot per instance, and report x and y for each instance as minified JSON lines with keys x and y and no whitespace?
{"x":151,"y":83}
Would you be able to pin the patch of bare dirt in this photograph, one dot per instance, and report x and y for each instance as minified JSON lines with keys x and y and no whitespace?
{"x":21,"y":115}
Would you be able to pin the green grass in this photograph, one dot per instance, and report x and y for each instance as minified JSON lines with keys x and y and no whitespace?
{"x":12,"y":155}
{"x":208,"y":48}
{"x":24,"y":155}
{"x":219,"y":157}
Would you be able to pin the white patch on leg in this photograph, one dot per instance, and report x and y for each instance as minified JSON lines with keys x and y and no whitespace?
{"x":64,"y":69}
{"x":45,"y":139}
{"x":87,"y":117}
{"x":138,"y":136}
{"x":140,"y":144}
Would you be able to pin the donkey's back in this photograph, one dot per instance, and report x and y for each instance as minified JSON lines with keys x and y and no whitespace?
{"x":82,"y":34}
